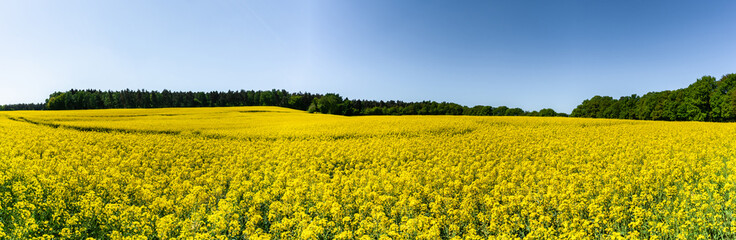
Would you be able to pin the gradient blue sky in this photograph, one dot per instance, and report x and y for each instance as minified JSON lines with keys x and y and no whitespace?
{"x":528,"y":54}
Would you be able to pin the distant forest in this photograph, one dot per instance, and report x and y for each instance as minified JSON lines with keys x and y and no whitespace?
{"x":328,"y":103}
{"x":23,"y":106}
{"x":707,"y":99}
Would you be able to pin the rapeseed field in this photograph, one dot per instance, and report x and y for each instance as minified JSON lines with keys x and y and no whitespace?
{"x":276,"y":173}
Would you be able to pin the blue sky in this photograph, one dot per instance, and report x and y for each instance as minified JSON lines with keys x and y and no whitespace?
{"x":528,"y":54}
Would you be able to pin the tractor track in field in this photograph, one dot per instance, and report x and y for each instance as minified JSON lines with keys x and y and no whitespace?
{"x":210,"y":136}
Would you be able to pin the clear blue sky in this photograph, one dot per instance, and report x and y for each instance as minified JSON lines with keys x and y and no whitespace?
{"x":528,"y":54}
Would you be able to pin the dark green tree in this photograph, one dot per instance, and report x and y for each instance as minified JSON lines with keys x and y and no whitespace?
{"x":697,"y":98}
{"x":329,"y":103}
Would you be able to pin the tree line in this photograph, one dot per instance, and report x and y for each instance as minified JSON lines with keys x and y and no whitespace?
{"x":22,"y":106}
{"x":707,"y":99}
{"x":328,"y":103}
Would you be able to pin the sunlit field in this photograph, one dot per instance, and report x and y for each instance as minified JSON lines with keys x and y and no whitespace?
{"x":277,"y":173}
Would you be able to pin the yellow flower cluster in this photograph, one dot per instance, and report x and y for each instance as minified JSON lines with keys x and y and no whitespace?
{"x":275,"y":173}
